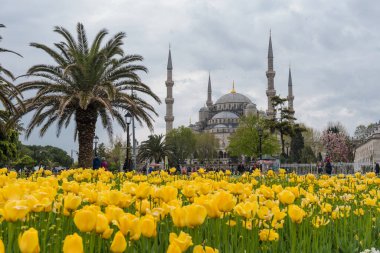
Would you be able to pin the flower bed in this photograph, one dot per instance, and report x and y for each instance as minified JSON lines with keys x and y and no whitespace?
{"x":96,"y":211}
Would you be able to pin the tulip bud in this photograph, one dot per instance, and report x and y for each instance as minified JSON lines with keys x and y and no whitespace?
{"x":85,"y":220}
{"x":73,"y":244}
{"x":28,"y":241}
{"x":101,"y":223}
{"x":2,"y":249}
{"x":119,"y":244}
{"x":148,"y":226}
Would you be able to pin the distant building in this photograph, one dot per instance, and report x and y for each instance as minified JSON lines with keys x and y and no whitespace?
{"x":222,"y":117}
{"x":368,"y":151}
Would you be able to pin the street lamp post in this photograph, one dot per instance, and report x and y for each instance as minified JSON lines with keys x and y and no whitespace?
{"x":128,"y":118}
{"x":96,"y":140}
{"x":287,"y":144}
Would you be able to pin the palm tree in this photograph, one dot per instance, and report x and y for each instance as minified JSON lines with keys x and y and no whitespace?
{"x":87,"y":82}
{"x":155,"y":148}
{"x":8,"y":91}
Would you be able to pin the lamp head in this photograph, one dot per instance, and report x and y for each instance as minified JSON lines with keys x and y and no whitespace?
{"x":128,"y":118}
{"x":96,"y":139}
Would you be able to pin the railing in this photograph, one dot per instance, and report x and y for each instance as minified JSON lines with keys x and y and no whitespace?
{"x":337,"y":168}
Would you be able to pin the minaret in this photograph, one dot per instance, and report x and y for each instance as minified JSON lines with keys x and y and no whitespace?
{"x":271,"y":92}
{"x":290,"y":92}
{"x":169,"y":100}
{"x":209,"y":92}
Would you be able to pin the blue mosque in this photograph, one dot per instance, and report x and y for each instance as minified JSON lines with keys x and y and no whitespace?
{"x":222,"y":117}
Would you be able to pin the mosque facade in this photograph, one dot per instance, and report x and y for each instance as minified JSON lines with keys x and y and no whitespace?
{"x":222,"y":117}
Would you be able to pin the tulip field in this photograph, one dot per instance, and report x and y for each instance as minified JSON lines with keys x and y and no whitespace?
{"x":83,"y":210}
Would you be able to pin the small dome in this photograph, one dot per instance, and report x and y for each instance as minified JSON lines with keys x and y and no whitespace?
{"x":233,"y":98}
{"x":225,"y":115}
{"x":203,"y":109}
{"x":251,"y":106}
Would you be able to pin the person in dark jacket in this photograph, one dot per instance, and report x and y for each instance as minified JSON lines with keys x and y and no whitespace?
{"x":377,"y":169}
{"x":328,"y":167}
{"x":96,"y":163}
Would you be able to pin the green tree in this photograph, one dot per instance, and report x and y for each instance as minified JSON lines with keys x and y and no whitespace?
{"x":102,"y":150}
{"x":312,"y":138}
{"x":24,"y":161}
{"x":86,"y":83}
{"x":8,"y":91}
{"x":206,"y":146}
{"x":296,"y":145}
{"x":46,"y":155}
{"x":308,"y":155}
{"x":154,"y":149}
{"x":8,"y":146}
{"x":182,"y":144}
{"x":245,"y":141}
{"x":283,"y":122}
{"x":116,"y":154}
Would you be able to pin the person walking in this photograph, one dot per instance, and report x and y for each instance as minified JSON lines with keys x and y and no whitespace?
{"x":104,"y":164}
{"x":377,"y":169}
{"x":328,"y":167}
{"x":96,"y":163}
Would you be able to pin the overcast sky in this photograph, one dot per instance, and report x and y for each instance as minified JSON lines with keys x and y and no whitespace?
{"x":333,"y":48}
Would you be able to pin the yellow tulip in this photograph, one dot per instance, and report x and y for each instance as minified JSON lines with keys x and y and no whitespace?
{"x":246,"y":210}
{"x":189,"y":191}
{"x":28,"y":241}
{"x":73,"y":244}
{"x":174,"y":248}
{"x":113,"y":213}
{"x":286,"y":197}
{"x":207,"y":249}
{"x":277,"y":213}
{"x":268,"y":235}
{"x":119,"y":244}
{"x":179,"y":217}
{"x":142,"y":206}
{"x":148,"y":226}
{"x":225,"y":201}
{"x":15,"y":210}
{"x":212,"y":208}
{"x":198,"y":249}
{"x":183,"y":240}
{"x":167,"y":193}
{"x":130,"y":224}
{"x":101,"y":223}
{"x":85,"y":220}
{"x":71,"y":202}
{"x":320,"y":221}
{"x":326,"y":208}
{"x":196,"y":215}
{"x":143,"y":190}
{"x":370,"y":202}
{"x":264,"y":213}
{"x":107,"y":233}
{"x":296,"y":213}
{"x":2,"y":249}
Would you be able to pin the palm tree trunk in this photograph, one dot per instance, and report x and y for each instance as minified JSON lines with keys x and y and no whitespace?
{"x":86,"y":123}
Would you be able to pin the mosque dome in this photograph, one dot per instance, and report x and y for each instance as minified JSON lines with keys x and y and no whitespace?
{"x":251,"y":106}
{"x":233,"y":98}
{"x":225,"y":115}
